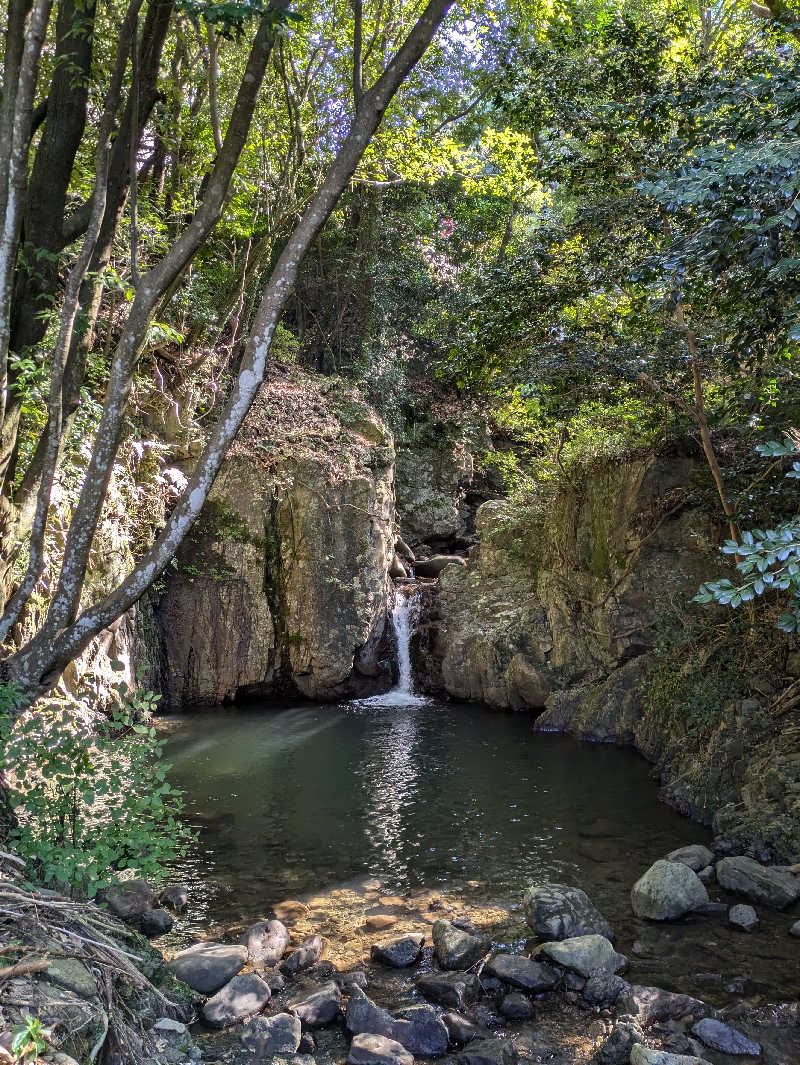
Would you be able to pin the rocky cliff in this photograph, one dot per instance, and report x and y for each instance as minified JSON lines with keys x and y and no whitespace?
{"x":565,"y":607}
{"x":282,"y":586}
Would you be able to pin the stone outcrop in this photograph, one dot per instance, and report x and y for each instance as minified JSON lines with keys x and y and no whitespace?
{"x":282,"y":586}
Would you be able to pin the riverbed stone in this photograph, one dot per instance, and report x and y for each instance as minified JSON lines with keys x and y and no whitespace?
{"x":175,"y":897}
{"x":459,"y":1028}
{"x":695,"y":855}
{"x":718,"y":1036}
{"x":527,"y":974}
{"x":489,"y":1052}
{"x":206,"y":967}
{"x":557,"y":911}
{"x":743,"y":917}
{"x":130,"y":899}
{"x":654,"y":1005}
{"x":642,"y":1055}
{"x":455,"y":948}
{"x":279,"y":1034}
{"x":794,"y":930}
{"x":266,"y":942}
{"x":363,"y":1015}
{"x":603,"y":989}
{"x":399,"y":952}
{"x":451,"y":989}
{"x":766,"y":884}
{"x":666,"y":891}
{"x":367,"y":1049}
{"x":516,"y":1006}
{"x":707,"y":876}
{"x":421,"y":1030}
{"x":240,"y":998}
{"x":617,"y":1048}
{"x":155,"y":922}
{"x":318,"y":1006}
{"x":307,"y":954}
{"x":584,"y":954}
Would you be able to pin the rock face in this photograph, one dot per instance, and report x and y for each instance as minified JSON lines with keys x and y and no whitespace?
{"x":759,"y":883}
{"x":666,"y":891}
{"x":455,"y":948}
{"x":206,"y":967}
{"x":282,"y":585}
{"x":556,"y":911}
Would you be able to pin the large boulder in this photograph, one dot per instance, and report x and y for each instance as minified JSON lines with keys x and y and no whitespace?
{"x":318,"y":1006}
{"x":206,"y":967}
{"x":455,"y":948}
{"x":266,"y":942}
{"x":399,"y":952}
{"x":240,"y":998}
{"x":367,"y":1049}
{"x":524,"y":973}
{"x":642,"y":1055}
{"x":695,"y":855}
{"x":666,"y":891}
{"x":557,"y":911}
{"x":718,"y":1036}
{"x":584,"y":955}
{"x":770,"y":886}
{"x":267,"y":1036}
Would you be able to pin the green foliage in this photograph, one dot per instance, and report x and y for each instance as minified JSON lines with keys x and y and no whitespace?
{"x":767,"y":559}
{"x":30,"y":1039}
{"x":91,"y":799}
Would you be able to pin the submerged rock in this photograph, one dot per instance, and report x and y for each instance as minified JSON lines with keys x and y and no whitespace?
{"x":206,"y":967}
{"x":585,"y":955}
{"x":489,"y":1052}
{"x":279,"y":1034}
{"x":400,"y":952}
{"x":266,"y":941}
{"x":317,"y":1007}
{"x":722,"y":1037}
{"x":641,"y":1055}
{"x":240,"y":998}
{"x":367,"y":1049}
{"x":667,"y":890}
{"x":557,"y":911}
{"x":770,"y":886}
{"x":524,"y":973}
{"x":743,"y":917}
{"x":695,"y":855}
{"x":455,"y":948}
{"x":448,"y":989}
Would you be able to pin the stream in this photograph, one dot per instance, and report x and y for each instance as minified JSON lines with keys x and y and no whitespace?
{"x":333,"y":814}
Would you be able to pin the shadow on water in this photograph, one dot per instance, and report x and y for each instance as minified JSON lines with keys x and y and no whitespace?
{"x":294,"y":801}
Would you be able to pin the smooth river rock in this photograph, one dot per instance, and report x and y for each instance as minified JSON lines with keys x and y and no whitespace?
{"x":585,"y":955}
{"x":400,"y":952}
{"x":364,"y":1016}
{"x":206,"y":967}
{"x":307,"y":954}
{"x":266,"y":942}
{"x":524,"y":973}
{"x":743,"y":917}
{"x":239,"y":999}
{"x":719,"y":1036}
{"x":369,"y":1049}
{"x":773,"y":887}
{"x":455,"y":948}
{"x":421,"y":1030}
{"x":460,"y":1028}
{"x":267,"y":1036}
{"x":666,"y":891}
{"x":130,"y":899}
{"x":317,"y":1007}
{"x":654,"y":1005}
{"x":641,"y":1055}
{"x":557,"y":911}
{"x":695,"y":855}
{"x":450,"y":989}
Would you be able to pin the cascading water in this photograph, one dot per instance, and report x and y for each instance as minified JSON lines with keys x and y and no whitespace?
{"x":405,"y":615}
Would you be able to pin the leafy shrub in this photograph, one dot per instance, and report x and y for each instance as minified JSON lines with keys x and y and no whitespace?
{"x":90,"y":799}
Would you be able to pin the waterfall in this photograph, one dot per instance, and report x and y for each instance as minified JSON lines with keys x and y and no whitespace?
{"x":404,"y":619}
{"x":404,"y":616}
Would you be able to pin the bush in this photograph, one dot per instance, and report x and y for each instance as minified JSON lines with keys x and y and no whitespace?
{"x":89,"y":799}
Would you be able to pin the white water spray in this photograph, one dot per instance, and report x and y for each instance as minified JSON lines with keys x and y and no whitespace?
{"x":405,"y":616}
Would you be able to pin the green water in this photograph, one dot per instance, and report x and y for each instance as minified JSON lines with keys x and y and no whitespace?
{"x":296,"y":800}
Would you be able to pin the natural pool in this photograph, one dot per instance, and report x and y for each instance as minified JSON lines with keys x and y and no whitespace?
{"x":446,"y":804}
